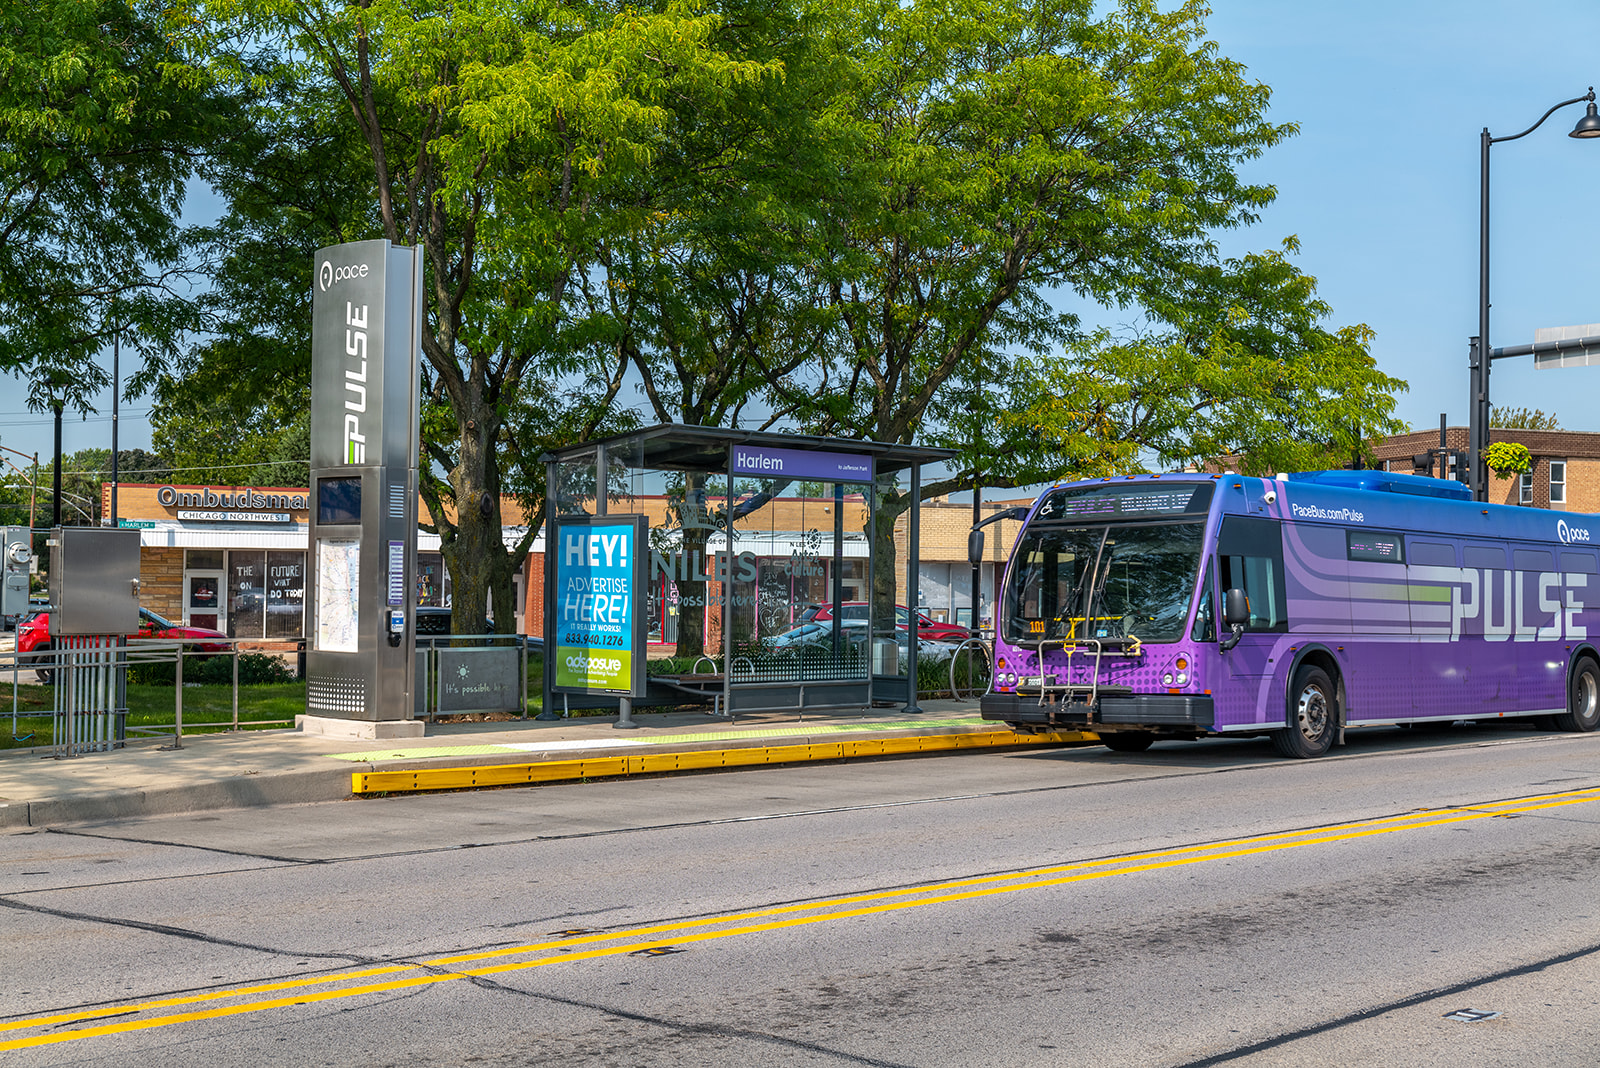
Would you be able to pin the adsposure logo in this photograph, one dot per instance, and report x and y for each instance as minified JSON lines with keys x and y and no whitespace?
{"x":328,"y":275}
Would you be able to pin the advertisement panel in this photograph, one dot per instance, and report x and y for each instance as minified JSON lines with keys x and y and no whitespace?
{"x":599,"y":592}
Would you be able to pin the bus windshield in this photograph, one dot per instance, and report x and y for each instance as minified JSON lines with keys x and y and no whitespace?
{"x":1102,"y":582}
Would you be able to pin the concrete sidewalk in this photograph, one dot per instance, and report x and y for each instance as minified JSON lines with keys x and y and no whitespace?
{"x":242,"y":769}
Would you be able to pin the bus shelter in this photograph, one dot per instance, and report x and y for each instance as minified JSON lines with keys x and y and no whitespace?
{"x":733,"y":568}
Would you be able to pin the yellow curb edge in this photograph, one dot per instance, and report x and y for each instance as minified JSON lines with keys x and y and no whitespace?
{"x":374,"y":782}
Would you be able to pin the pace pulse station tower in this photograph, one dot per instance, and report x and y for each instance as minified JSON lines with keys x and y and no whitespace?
{"x":366,"y":323}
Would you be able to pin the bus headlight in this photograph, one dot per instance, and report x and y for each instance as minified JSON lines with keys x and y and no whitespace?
{"x":1166,"y":680}
{"x":1183,"y":677}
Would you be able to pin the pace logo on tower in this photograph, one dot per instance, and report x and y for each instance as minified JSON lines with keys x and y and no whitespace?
{"x":328,"y":275}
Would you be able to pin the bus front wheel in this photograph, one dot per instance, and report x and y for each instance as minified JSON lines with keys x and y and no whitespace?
{"x":1583,"y":699}
{"x":1127,"y":741}
{"x":1313,"y":715}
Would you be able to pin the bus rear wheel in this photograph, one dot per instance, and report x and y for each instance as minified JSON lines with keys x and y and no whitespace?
{"x":1127,"y":741}
{"x":1583,"y":699}
{"x":1313,"y":715}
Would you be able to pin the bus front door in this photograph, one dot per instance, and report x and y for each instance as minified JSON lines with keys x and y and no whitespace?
{"x":1250,"y":558}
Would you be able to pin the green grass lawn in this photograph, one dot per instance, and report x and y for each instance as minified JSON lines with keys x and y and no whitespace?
{"x":205,"y":708}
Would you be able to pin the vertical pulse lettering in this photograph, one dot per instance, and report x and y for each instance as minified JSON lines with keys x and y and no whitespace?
{"x":355,"y":382}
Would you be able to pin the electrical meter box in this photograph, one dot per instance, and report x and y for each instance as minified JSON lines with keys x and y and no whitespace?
{"x":16,"y":553}
{"x":94,"y":581}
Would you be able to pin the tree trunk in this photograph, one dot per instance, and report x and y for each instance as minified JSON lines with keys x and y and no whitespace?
{"x":692,"y":515}
{"x":474,"y":551}
{"x":891,"y":503}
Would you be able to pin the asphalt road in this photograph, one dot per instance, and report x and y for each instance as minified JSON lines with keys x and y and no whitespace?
{"x":1202,"y":903}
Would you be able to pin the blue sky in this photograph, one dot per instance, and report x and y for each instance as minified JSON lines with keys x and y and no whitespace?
{"x":1380,"y":186}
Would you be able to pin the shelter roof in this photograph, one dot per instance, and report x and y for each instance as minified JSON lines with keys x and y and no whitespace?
{"x":686,"y":447}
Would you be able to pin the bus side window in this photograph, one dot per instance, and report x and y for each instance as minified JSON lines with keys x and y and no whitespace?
{"x":1205,"y":629}
{"x":1533,"y":560}
{"x":1250,"y":556}
{"x":1431,"y":553}
{"x":1577,"y":562}
{"x":1492,"y":557}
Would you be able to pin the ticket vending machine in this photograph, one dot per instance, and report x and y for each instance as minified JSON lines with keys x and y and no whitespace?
{"x":366,"y":324}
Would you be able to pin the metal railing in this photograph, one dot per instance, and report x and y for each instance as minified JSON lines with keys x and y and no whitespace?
{"x":89,"y":679}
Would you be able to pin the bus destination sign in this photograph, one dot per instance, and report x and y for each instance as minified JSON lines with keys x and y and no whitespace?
{"x":1134,"y":500}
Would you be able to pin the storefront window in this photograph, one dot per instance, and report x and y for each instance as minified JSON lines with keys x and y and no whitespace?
{"x":246,"y":593}
{"x":203,"y":560}
{"x":433,"y":581}
{"x":286,"y":594}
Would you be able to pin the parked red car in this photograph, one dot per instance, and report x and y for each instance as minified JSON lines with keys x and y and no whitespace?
{"x":927,"y":629}
{"x":33,"y":636}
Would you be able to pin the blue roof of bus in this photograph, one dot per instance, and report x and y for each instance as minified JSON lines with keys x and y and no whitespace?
{"x":1385,"y":499}
{"x":1389,"y":482}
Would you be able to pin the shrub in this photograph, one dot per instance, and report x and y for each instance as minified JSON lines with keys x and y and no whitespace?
{"x":1507,"y":458}
{"x":255,"y":669}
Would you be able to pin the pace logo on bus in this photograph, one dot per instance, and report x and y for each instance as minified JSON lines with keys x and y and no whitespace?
{"x":1569,"y":534}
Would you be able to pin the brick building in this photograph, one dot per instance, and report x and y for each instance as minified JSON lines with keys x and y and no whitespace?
{"x":1565,"y":474}
{"x":234,"y":558}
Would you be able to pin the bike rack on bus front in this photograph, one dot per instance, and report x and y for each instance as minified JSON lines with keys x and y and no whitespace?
{"x":1129,"y":645}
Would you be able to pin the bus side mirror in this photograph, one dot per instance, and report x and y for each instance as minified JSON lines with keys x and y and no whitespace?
{"x":1235,"y":608}
{"x":1235,"y":613}
{"x":975,"y":547}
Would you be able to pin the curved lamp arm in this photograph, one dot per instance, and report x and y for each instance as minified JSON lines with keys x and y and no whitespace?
{"x":1575,"y":100}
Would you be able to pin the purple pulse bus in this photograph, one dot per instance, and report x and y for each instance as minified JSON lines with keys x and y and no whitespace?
{"x":1182,"y":606}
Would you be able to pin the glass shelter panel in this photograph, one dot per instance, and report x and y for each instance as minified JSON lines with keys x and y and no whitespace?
{"x":572,"y":490}
{"x":796,"y":576}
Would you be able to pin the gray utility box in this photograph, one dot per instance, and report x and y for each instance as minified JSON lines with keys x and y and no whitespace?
{"x":16,"y":552}
{"x":94,"y":581}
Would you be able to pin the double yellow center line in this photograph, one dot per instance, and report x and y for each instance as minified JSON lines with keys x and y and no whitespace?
{"x":567,"y":949}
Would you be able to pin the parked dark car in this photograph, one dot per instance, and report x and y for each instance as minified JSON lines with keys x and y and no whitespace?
{"x":431,"y":621}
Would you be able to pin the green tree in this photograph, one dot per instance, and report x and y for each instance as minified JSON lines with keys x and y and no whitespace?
{"x":229,"y":444}
{"x":493,"y":132}
{"x":1004,"y":154}
{"x":100,"y":122}
{"x":1523,"y":419}
{"x":233,"y":408}
{"x":1244,"y":367}
{"x":1508,"y":458}
{"x":701,"y":301}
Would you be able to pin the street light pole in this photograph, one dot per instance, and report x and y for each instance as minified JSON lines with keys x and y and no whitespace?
{"x":116,"y":390}
{"x":56,"y":501}
{"x":1479,"y":354}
